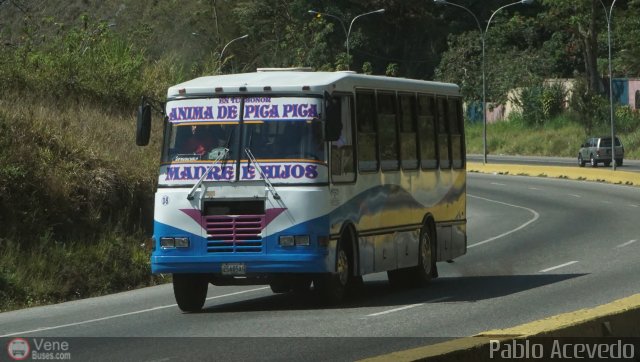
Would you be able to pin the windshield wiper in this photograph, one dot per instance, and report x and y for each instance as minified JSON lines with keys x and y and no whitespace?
{"x":221,"y":156}
{"x":256,"y":165}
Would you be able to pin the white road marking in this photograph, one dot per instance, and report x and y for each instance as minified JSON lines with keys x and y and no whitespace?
{"x":574,"y":195}
{"x":121,"y":315}
{"x":534,"y":188}
{"x":633,"y":205}
{"x":606,"y":202}
{"x":535,"y":217}
{"x":498,"y":184}
{"x":407,"y":307}
{"x":627,"y":243}
{"x":395,"y":310}
{"x":558,"y":266}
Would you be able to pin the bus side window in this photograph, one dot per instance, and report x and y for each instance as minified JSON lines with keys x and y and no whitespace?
{"x":427,"y":131}
{"x":408,"y":134}
{"x":457,"y":143}
{"x":443,"y":134}
{"x":342,"y":160}
{"x":367,"y":132}
{"x":388,"y":131}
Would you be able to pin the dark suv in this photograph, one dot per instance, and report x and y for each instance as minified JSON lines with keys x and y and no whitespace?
{"x":598,"y":150}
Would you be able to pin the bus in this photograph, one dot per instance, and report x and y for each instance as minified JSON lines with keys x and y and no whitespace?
{"x":294,"y":178}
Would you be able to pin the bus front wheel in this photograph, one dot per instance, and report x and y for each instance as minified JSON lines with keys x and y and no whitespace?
{"x":332,"y":287}
{"x":190,"y":291}
{"x":295,"y":284}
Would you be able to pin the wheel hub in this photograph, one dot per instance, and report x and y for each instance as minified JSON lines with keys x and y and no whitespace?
{"x":342,"y":268}
{"x":425,"y":253}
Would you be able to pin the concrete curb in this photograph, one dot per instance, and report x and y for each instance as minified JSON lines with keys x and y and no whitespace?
{"x":573,"y":173}
{"x":616,"y":319}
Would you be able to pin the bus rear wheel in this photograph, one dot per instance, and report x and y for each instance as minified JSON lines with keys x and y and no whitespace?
{"x":190,"y":291}
{"x":333,"y":287}
{"x":426,"y":268}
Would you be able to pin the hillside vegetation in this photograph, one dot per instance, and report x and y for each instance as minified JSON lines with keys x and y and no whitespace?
{"x":76,"y":194}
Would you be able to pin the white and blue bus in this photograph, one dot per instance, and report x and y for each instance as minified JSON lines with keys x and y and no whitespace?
{"x":293,"y":177}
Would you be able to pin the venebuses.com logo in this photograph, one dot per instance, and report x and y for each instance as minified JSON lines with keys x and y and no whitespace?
{"x":18,"y":349}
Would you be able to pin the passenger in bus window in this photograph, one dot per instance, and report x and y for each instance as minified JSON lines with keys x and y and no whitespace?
{"x":200,"y":142}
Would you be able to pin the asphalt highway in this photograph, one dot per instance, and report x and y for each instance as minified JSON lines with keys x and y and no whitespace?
{"x":537,"y":247}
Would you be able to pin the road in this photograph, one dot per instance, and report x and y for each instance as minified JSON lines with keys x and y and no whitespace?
{"x":628,"y":165}
{"x":537,"y":247}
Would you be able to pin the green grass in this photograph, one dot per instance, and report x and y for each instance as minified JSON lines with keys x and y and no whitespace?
{"x":76,"y":199}
{"x":559,"y":137}
{"x":49,"y":271}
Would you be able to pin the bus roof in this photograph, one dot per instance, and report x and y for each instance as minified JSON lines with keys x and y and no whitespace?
{"x":283,"y":81}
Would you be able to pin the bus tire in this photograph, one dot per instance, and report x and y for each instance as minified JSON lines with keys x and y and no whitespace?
{"x":301,"y":285}
{"x":279,"y":286}
{"x":297,"y":284}
{"x":333,"y":287}
{"x":190,"y":291}
{"x":426,"y":268}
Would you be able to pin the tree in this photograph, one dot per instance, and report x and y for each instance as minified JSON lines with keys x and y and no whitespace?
{"x":625,"y":35}
{"x":512,"y":58}
{"x":582,"y":23}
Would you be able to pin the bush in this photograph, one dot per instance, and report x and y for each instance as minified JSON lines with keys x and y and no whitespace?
{"x":165,"y":72}
{"x":626,"y":120}
{"x":89,"y":62}
{"x":588,"y":108}
{"x":540,"y":103}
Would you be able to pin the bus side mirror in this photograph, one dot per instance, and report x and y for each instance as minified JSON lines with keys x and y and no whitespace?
{"x":143,"y":126}
{"x":333,"y":125}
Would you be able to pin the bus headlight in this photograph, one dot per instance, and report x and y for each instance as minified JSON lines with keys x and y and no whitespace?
{"x":290,"y":240}
{"x":182,"y":242}
{"x":179,"y":242}
{"x":302,"y":240}
{"x":167,"y":243}
{"x":286,"y":240}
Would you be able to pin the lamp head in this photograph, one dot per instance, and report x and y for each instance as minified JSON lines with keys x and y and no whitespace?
{"x":526,"y":2}
{"x":440,"y":2}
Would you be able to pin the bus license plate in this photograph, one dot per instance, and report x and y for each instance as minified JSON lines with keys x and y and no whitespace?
{"x":234,"y":269}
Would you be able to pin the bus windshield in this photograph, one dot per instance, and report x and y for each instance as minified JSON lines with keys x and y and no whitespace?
{"x":273,"y":128}
{"x":191,"y":142}
{"x":290,"y":140}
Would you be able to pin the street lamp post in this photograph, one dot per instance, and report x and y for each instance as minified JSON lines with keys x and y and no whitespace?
{"x":379,"y":11}
{"x":483,"y":35}
{"x":225,"y":47}
{"x":319,"y":13}
{"x":347,"y":33}
{"x":613,"y":138}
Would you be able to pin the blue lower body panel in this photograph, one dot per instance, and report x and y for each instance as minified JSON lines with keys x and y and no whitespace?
{"x":255,"y":264}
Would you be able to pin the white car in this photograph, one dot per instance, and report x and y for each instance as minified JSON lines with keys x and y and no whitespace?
{"x":598,"y":150}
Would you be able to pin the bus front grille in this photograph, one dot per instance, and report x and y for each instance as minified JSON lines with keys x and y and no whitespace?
{"x":234,"y":234}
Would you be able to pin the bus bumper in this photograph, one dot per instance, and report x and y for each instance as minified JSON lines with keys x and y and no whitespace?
{"x":321,"y":262}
